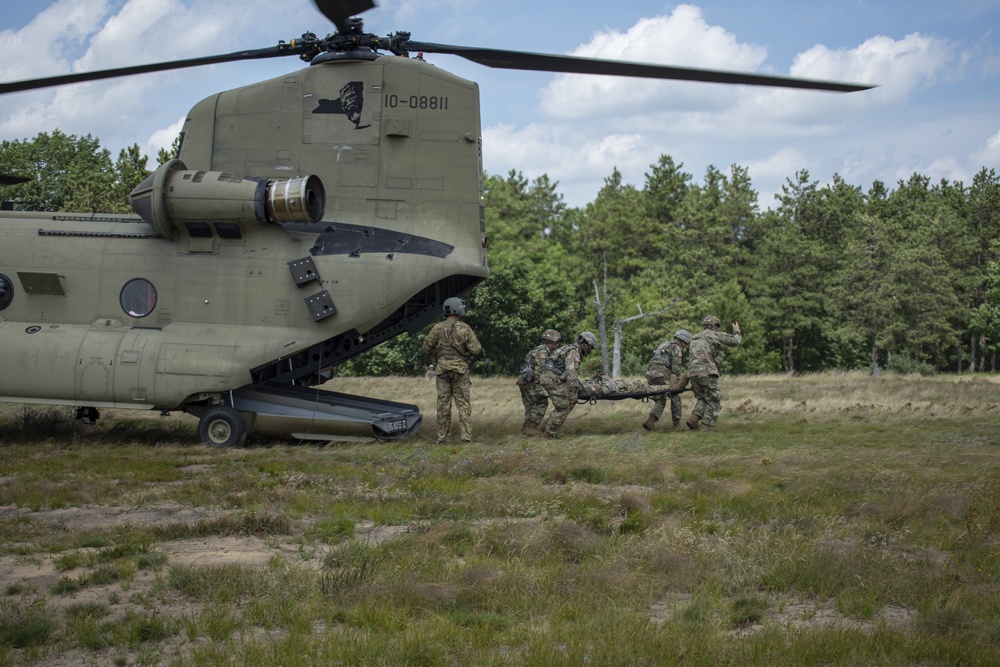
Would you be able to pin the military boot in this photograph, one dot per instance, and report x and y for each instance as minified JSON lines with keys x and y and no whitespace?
{"x":650,"y":423}
{"x":704,"y":427}
{"x":692,"y":421}
{"x":677,"y":423}
{"x":530,"y":430}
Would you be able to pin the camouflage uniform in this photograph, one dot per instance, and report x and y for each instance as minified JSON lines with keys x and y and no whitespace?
{"x":453,"y":344}
{"x":533,"y":395}
{"x":665,"y":368}
{"x":704,"y":374}
{"x":602,"y":386}
{"x":561,"y":380}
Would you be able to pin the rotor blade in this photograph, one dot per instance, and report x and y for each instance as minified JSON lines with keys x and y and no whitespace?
{"x":338,"y":10}
{"x":80,"y":77}
{"x":10,"y":179}
{"x":542,"y":62}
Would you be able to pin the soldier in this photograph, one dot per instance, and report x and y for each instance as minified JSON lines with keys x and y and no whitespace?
{"x":453,"y":345}
{"x":561,"y":379}
{"x":704,"y":374}
{"x":533,"y":395}
{"x":665,"y":369}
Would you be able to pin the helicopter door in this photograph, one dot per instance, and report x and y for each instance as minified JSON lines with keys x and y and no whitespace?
{"x":96,"y":363}
{"x":136,"y":372}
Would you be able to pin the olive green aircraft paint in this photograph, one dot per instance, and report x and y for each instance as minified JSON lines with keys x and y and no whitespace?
{"x":396,"y":145}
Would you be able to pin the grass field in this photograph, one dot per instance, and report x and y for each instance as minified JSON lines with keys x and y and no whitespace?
{"x":829,"y":519}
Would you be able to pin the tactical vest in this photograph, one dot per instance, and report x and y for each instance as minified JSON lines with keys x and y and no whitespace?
{"x":556,"y":363}
{"x":446,"y":348}
{"x":527,"y":374}
{"x":664,"y":354}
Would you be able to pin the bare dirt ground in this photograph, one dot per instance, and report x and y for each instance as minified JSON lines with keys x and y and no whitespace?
{"x":39,"y":573}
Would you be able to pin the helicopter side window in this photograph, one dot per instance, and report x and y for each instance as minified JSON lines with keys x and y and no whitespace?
{"x":138,"y":297}
{"x":6,"y":291}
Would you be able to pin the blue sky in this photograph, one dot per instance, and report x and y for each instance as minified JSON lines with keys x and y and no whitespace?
{"x":936,"y":111}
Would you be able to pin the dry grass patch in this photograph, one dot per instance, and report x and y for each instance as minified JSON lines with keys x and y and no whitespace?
{"x":829,"y":519}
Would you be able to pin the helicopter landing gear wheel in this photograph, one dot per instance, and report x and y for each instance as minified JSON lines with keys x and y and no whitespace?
{"x":222,"y":427}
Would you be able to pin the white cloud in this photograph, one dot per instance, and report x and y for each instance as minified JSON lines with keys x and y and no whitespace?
{"x":92,"y":37}
{"x":161,"y":30}
{"x":683,"y":38}
{"x":897,"y":66}
{"x":672,"y":112}
{"x":948,"y":167}
{"x":127,"y":35}
{"x":790,"y":129}
{"x":539,"y":148}
{"x":163,"y":138}
{"x":769,"y":174}
{"x":778,"y":165}
{"x":989,"y":155}
{"x":578,"y":162}
{"x":26,"y":53}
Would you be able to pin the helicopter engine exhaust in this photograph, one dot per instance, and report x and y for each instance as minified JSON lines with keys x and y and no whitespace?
{"x":174,"y":195}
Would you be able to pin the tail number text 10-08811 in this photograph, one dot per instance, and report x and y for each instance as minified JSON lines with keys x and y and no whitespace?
{"x":433,"y":102}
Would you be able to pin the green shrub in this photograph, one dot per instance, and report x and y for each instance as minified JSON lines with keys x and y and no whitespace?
{"x":906,"y":366}
{"x":23,"y":625}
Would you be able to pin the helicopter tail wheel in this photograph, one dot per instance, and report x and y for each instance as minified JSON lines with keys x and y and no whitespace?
{"x":222,"y":427}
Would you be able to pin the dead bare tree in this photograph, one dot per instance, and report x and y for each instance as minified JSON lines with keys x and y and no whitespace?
{"x":602,"y":323}
{"x":616,"y":360}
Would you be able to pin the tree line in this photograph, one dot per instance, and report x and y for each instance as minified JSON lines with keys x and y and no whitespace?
{"x":834,"y":276}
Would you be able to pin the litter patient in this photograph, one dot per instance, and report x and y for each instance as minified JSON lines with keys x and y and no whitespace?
{"x":599,"y":387}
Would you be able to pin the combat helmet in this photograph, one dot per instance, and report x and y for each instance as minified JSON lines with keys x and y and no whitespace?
{"x":683,"y":336}
{"x":588,"y":338}
{"x":550,"y":336}
{"x":711,"y":321}
{"x":454,"y":306}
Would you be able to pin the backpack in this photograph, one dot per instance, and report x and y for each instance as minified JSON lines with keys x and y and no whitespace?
{"x":527,"y":373}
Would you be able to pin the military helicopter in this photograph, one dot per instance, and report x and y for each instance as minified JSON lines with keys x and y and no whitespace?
{"x":306,"y":219}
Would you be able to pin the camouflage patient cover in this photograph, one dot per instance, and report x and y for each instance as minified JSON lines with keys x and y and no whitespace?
{"x":604,"y":386}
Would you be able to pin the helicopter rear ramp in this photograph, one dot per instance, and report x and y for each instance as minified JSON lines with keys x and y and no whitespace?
{"x":315,"y":414}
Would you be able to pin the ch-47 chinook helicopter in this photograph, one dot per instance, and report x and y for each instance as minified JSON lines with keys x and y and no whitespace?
{"x":306,"y":219}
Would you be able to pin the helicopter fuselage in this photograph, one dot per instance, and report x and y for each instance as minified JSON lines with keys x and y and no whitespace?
{"x":177,"y":310}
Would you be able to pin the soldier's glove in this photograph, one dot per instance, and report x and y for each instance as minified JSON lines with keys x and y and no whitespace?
{"x":680,"y":383}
